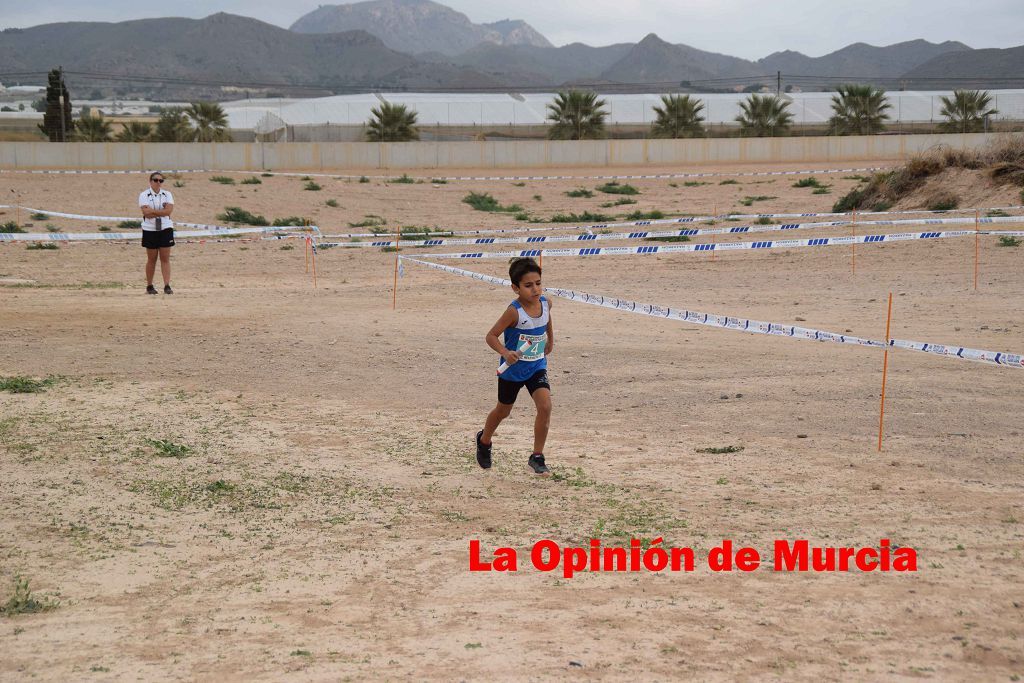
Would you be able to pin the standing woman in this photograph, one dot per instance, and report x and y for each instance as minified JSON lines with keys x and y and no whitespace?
{"x":157,"y":230}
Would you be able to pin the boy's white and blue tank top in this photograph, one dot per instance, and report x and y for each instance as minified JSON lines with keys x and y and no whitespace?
{"x":534,"y":331}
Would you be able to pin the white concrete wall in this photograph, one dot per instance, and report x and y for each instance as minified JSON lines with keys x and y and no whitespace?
{"x":367,"y":156}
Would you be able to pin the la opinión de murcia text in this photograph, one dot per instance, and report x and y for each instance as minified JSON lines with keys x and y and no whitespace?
{"x":787,"y":556}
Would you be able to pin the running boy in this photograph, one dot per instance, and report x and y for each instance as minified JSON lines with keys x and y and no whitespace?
{"x":528,"y":339}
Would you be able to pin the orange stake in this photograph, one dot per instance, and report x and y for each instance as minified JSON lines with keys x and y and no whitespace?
{"x":885,"y":369}
{"x":394,"y":291}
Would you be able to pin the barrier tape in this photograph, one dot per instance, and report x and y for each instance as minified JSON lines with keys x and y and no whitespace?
{"x":720,"y":246}
{"x":656,"y":176}
{"x":88,"y":236}
{"x":591,"y":237}
{"x":200,"y":226}
{"x":1009,"y":360}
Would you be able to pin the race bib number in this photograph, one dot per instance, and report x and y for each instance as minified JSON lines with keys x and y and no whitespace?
{"x":535,"y":350}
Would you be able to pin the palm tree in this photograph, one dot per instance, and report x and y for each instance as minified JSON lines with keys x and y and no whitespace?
{"x":576,"y":115}
{"x":173,"y":126}
{"x":392,"y":123}
{"x":135,"y":131}
{"x":764,"y":116}
{"x":92,"y":129}
{"x":210,"y":121}
{"x":678,"y":117}
{"x":858,"y":110}
{"x":967,"y":111}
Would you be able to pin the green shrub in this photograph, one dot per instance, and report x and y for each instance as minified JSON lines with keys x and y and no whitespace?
{"x":311,"y":186}
{"x":621,"y":201}
{"x":438,"y":181}
{"x":23,"y":602}
{"x":764,"y":220}
{"x":822,"y":190}
{"x":645,"y":215}
{"x":252,"y":181}
{"x":403,"y":179}
{"x":292,"y":220}
{"x":222,"y":179}
{"x":235,"y":214}
{"x":43,"y":246}
{"x":370,"y":221}
{"x":691,"y":183}
{"x":946,"y":202}
{"x":39,"y":216}
{"x":615,"y":188}
{"x":749,"y":201}
{"x":669,"y":238}
{"x":129,"y":225}
{"x":1008,"y":241}
{"x":363,"y":179}
{"x":24,"y":385}
{"x":333,"y":203}
{"x":579,"y":192}
{"x":11,"y":227}
{"x":585,"y":217}
{"x":485,"y":202}
{"x":807,"y":182}
{"x":729,"y":182}
{"x":848,"y":202}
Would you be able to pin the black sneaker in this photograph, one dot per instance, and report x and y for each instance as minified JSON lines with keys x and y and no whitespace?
{"x":150,"y":289}
{"x":536,"y":463}
{"x":483,"y":453}
{"x":167,"y":290}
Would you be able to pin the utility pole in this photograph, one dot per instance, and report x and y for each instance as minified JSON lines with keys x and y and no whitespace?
{"x":778,"y":83}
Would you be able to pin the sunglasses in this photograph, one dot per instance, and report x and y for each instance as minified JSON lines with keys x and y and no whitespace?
{"x":156,"y":180}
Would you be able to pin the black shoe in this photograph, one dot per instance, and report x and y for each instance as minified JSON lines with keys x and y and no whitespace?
{"x":167,"y":290}
{"x":150,"y":289}
{"x":536,"y":463}
{"x":483,"y":453}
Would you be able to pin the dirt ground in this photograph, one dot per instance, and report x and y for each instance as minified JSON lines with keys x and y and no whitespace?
{"x":254,"y":479}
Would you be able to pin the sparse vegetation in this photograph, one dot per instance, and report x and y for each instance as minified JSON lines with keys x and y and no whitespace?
{"x":1009,"y":241}
{"x":668,"y":238}
{"x":222,"y":179}
{"x":944,"y":202}
{"x":333,"y":203}
{"x":579,"y":192}
{"x":369,"y":221}
{"x":404,"y":179}
{"x":39,"y":216}
{"x":43,"y":246}
{"x":821,"y":190}
{"x":129,"y":225}
{"x":168,"y":449}
{"x":363,"y":179}
{"x":749,"y":201}
{"x":311,"y":186}
{"x":808,"y":182}
{"x":691,"y":183}
{"x":291,"y":221}
{"x":717,"y":450}
{"x":252,"y":181}
{"x":621,"y":201}
{"x":11,"y":227}
{"x":729,"y":182}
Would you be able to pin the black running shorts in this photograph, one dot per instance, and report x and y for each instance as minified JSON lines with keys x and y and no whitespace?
{"x":507,"y":391}
{"x":153,"y":239}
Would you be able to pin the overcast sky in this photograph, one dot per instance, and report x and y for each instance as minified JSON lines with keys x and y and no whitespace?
{"x":743,"y":28}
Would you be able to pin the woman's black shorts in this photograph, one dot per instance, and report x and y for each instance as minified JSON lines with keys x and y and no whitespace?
{"x":507,"y":391}
{"x":152,"y":239}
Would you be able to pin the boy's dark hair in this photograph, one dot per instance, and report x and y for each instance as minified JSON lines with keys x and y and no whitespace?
{"x":520,"y":267}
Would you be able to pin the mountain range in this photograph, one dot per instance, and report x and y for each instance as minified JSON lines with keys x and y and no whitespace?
{"x":423,"y":45}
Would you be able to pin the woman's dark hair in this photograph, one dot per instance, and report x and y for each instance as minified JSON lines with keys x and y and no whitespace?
{"x":155,"y":174}
{"x":520,"y":267}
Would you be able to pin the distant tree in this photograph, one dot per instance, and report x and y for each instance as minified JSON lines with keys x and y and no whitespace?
{"x":39,"y":105}
{"x":966,"y":111}
{"x":764,"y":116}
{"x":210,"y":123}
{"x":576,"y":115}
{"x":92,"y":129}
{"x":173,"y":126}
{"x":392,"y":123}
{"x":57,"y":123}
{"x":678,"y":117}
{"x":858,"y":110}
{"x":135,"y":131}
